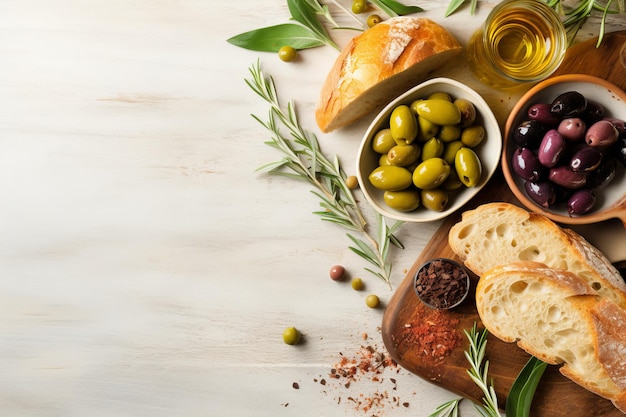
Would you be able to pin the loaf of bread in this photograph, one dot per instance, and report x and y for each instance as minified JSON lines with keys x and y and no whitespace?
{"x":499,"y":233}
{"x":380,"y":64}
{"x":557,"y":317}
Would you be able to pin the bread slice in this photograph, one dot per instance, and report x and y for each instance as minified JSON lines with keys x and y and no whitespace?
{"x":557,"y":317}
{"x":498,"y":233}
{"x":380,"y":64}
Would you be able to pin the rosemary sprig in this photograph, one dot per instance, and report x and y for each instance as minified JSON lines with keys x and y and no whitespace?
{"x":447,"y":409}
{"x":479,"y":371}
{"x":303,"y":160}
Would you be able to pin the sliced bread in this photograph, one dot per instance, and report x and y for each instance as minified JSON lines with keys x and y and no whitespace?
{"x":557,"y":317}
{"x":499,"y":233}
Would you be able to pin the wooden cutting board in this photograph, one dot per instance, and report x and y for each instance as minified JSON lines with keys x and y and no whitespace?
{"x":406,"y":318}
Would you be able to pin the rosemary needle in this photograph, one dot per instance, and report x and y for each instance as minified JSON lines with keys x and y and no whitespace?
{"x":303,"y":160}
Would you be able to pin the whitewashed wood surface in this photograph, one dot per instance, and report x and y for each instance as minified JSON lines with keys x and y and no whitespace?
{"x":146,"y":269}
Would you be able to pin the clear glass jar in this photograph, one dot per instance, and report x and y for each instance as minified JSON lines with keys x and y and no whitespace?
{"x":521,"y":41}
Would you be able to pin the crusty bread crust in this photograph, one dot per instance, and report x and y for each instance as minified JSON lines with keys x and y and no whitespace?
{"x":556,"y":317}
{"x":498,"y":233}
{"x":380,"y":64}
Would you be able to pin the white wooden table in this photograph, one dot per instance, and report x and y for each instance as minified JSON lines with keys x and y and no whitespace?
{"x":145,"y":268}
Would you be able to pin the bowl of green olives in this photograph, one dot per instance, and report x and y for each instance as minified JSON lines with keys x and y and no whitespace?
{"x":429,"y":151}
{"x":565,"y":150}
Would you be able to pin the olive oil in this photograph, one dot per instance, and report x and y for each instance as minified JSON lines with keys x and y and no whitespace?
{"x":521,"y":41}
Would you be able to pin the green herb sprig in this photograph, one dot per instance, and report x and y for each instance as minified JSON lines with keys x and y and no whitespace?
{"x":447,"y":409}
{"x":479,"y":371}
{"x":308,"y":32}
{"x":303,"y":160}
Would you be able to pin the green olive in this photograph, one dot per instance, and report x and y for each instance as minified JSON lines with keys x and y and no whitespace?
{"x":468,"y":111}
{"x":436,"y":200}
{"x":403,"y":155}
{"x":404,"y":200}
{"x":359,"y":6}
{"x":439,"y":112}
{"x":403,"y":125}
{"x":426,"y":129}
{"x":440,"y":95}
{"x":452,"y":183}
{"x":449,"y":133}
{"x":357,"y":284}
{"x":468,"y":166}
{"x":433,"y":148}
{"x":431,"y":173}
{"x":291,"y":336}
{"x":473,"y":136}
{"x":372,"y":301}
{"x":383,"y":141}
{"x":287,"y":53}
{"x":390,"y":178}
{"x":373,"y":20}
{"x":449,"y":152}
{"x":383,"y":160}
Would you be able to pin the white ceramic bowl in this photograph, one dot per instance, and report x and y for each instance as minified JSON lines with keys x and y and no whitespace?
{"x":489,"y":151}
{"x":611,"y":201}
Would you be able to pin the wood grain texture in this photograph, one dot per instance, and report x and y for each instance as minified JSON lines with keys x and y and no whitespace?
{"x":556,"y":396}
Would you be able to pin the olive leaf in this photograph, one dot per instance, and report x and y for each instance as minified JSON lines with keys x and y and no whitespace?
{"x":454,"y":5}
{"x":301,"y":11}
{"x":523,"y":389}
{"x":393,"y":8}
{"x":272,"y":38}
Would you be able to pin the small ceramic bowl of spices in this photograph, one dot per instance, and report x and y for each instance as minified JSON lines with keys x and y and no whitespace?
{"x":442,"y":283}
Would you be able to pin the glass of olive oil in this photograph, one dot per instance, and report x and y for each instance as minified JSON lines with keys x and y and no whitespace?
{"x":521,"y":41}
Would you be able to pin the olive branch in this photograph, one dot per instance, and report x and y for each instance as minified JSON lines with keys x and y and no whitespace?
{"x":303,"y":160}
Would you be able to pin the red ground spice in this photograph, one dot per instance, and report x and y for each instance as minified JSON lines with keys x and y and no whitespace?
{"x":432,"y":335}
{"x":372,"y":364}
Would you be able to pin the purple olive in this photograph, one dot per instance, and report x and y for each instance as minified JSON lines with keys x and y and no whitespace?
{"x":569,"y":104}
{"x":541,"y":193}
{"x":572,"y":129}
{"x":551,"y":148}
{"x":529,"y":133}
{"x":541,"y":113}
{"x":603,"y":175}
{"x":593,"y":112}
{"x":601,"y":134}
{"x":586,"y":159}
{"x":581,"y":202}
{"x":526,"y":164}
{"x":619,"y":124}
{"x":567,"y":178}
{"x":620,"y":150}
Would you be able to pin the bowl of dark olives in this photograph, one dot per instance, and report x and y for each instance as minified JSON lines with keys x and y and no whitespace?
{"x":565,"y":150}
{"x":428,"y":152}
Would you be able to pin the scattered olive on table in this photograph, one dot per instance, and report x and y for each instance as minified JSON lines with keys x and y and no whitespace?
{"x":373,"y":20}
{"x":357,"y":284}
{"x":287,"y":53}
{"x":291,"y":336}
{"x":427,"y":151}
{"x":337,"y":272}
{"x":372,"y":301}
{"x":359,"y":6}
{"x":567,"y":152}
{"x":352,"y":182}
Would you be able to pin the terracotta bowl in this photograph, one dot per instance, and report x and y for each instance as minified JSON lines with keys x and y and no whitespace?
{"x":489,"y":151}
{"x":611,"y":200}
